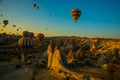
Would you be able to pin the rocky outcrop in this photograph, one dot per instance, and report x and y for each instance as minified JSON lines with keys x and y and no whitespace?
{"x":70,"y":57}
{"x":58,"y":62}
{"x":93,"y":47}
{"x":50,"y":53}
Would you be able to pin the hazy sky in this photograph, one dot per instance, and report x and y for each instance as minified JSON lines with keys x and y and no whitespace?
{"x":99,"y":18}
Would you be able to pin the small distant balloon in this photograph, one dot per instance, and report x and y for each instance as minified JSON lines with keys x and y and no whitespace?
{"x":14,"y":25}
{"x":34,"y":5}
{"x":17,"y":29}
{"x":37,"y":7}
{"x":1,"y":29}
{"x":5,"y":22}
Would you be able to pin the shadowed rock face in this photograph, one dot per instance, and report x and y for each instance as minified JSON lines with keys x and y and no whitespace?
{"x":55,"y":58}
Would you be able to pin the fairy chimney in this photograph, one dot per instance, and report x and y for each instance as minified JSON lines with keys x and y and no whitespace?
{"x":50,"y":51}
{"x":70,"y":56}
{"x":92,"y":47}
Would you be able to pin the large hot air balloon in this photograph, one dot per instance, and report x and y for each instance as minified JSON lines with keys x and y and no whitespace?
{"x":26,"y":45}
{"x":40,"y":36}
{"x":75,"y":13}
{"x":5,"y":22}
{"x":25,"y":42}
{"x":25,"y":34}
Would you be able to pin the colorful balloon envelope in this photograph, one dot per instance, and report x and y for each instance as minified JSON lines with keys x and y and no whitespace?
{"x":5,"y":22}
{"x":75,"y":13}
{"x":25,"y":42}
{"x":31,"y":35}
{"x":40,"y":36}
{"x":25,"y":34}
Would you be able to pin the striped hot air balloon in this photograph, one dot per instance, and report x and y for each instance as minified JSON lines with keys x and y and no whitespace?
{"x":75,"y":13}
{"x":25,"y":42}
{"x":40,"y":36}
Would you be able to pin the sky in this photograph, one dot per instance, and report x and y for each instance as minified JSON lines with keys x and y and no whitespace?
{"x":99,"y":18}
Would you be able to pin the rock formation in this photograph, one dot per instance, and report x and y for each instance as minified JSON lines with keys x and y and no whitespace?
{"x":70,"y":56}
{"x":92,"y":47}
{"x":50,"y":53}
{"x":79,"y":54}
{"x":58,"y":62}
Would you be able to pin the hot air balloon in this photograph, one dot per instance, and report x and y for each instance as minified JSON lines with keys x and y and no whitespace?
{"x":25,"y":42}
{"x":37,"y":7}
{"x":17,"y":29}
{"x":31,"y":35}
{"x":40,"y":36}
{"x":14,"y":25}
{"x":34,"y":5}
{"x":5,"y":22}
{"x":25,"y":34}
{"x":75,"y":13}
{"x":1,"y":29}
